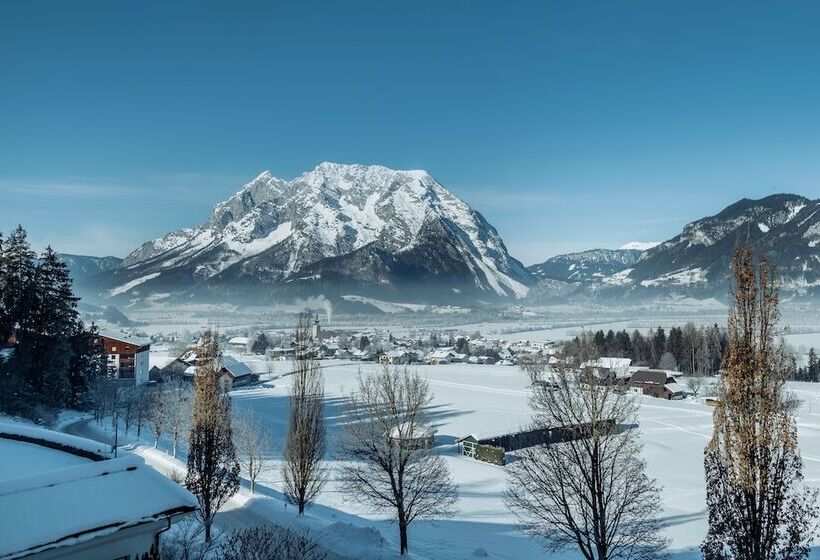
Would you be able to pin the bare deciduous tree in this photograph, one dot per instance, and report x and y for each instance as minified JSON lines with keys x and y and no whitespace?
{"x":590,"y":493}
{"x":388,"y":469}
{"x":534,"y":364}
{"x":695,"y":384}
{"x":158,"y":412}
{"x":177,"y":398}
{"x":302,"y":471}
{"x":213,"y":471}
{"x":252,"y":442}
{"x":759,"y":508}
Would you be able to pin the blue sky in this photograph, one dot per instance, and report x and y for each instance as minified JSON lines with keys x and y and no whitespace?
{"x":569,"y":125}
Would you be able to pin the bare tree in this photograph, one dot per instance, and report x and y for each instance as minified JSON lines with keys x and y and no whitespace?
{"x":695,"y":383}
{"x":759,"y":508}
{"x":534,"y":364}
{"x":304,"y":449}
{"x":213,"y":471}
{"x":158,"y":412}
{"x":252,"y":442}
{"x":270,"y":543}
{"x":388,"y":469}
{"x":177,"y":398}
{"x":590,"y":492}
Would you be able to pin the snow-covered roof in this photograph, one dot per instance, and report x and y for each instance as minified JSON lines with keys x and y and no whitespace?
{"x":674,"y":388}
{"x":52,"y":439}
{"x":127,"y":338}
{"x":396,"y":353}
{"x":614,"y":363}
{"x":239,"y":340}
{"x":441,"y":353}
{"x":59,"y":498}
{"x":234,"y":366}
{"x":412,"y":431}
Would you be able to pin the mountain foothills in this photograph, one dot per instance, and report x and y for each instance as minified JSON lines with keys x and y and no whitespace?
{"x":338,"y":229}
{"x":401,"y":236}
{"x":696,"y":263}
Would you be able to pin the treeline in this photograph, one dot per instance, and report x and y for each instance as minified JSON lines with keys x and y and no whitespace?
{"x":49,"y":357}
{"x":688,"y":349}
{"x":809,"y":372}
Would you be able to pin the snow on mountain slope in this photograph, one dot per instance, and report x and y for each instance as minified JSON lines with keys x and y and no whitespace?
{"x":639,"y":245}
{"x":783,"y":226}
{"x":586,"y":266}
{"x":326,"y":223}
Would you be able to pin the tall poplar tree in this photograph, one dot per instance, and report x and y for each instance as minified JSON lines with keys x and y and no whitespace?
{"x":213,"y":469}
{"x":758,"y":506}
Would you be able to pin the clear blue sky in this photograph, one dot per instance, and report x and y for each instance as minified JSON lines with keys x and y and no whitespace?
{"x":570,"y":125}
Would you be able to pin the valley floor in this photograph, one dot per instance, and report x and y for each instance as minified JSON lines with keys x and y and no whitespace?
{"x":482,"y":400}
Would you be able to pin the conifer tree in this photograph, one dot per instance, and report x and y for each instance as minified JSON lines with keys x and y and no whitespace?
{"x":758,"y":506}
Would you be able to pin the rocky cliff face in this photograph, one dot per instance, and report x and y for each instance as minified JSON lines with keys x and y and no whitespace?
{"x":337,"y":227}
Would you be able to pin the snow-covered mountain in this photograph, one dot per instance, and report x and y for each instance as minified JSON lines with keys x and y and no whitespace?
{"x":785,"y":227}
{"x":586,"y":266}
{"x":338,"y":228}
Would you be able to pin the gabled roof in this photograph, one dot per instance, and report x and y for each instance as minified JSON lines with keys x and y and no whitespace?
{"x":126,"y":338}
{"x":235,"y":367}
{"x":653,"y":376}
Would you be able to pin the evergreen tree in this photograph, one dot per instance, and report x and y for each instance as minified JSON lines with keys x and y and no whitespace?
{"x":18,"y":280}
{"x":813,"y":371}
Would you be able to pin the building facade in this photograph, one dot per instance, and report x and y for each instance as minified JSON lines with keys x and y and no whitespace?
{"x":127,"y":356}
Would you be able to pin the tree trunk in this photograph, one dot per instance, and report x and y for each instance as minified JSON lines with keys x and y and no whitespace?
{"x":208,"y":531}
{"x":403,"y":536}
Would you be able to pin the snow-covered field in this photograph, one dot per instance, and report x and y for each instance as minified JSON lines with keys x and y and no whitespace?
{"x":493,"y":400}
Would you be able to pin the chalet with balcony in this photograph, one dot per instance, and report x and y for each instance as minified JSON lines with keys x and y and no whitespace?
{"x":127,"y":356}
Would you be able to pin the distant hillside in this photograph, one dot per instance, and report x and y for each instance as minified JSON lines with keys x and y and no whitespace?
{"x":586,"y":266}
{"x":81,"y":266}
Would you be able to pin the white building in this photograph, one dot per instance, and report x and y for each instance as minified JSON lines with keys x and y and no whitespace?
{"x":65,"y":497}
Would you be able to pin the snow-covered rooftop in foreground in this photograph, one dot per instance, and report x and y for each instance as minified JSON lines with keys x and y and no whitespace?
{"x":57,"y":490}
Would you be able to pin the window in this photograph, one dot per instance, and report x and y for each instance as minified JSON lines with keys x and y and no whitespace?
{"x":114,"y":349}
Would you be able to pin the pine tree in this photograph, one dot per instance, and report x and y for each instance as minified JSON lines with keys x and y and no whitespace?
{"x":213,"y":469}
{"x":813,"y":371}
{"x":758,"y":507}
{"x":18,"y":281}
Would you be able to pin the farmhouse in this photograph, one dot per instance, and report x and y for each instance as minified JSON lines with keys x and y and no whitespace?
{"x":233,"y":373}
{"x":239,"y":344}
{"x":395,"y":357}
{"x":441,"y":356}
{"x":72,"y":501}
{"x":414,"y":436}
{"x":656,"y":383}
{"x":127,"y":356}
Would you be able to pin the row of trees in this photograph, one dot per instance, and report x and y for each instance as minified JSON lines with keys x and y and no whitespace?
{"x":689,"y":349}
{"x":592,"y":493}
{"x":55,"y":357}
{"x":386,"y":469}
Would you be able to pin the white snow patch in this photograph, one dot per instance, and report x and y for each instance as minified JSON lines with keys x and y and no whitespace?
{"x":133,"y":284}
{"x":678,"y":278}
{"x":619,"y":278}
{"x":763,"y":227}
{"x":639,"y":245}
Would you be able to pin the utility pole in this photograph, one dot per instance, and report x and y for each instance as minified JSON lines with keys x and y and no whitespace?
{"x":116,"y":431}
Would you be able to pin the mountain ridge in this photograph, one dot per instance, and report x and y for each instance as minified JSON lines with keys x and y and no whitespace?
{"x":284,"y":235}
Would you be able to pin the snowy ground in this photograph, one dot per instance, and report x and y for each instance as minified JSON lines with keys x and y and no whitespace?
{"x":483,"y":400}
{"x":493,"y":400}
